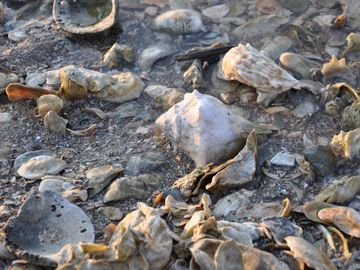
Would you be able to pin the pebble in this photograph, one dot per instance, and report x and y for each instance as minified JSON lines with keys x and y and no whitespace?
{"x":283,"y":159}
{"x":303,"y":109}
{"x":112,"y":213}
{"x":152,"y":54}
{"x":230,"y":203}
{"x":5,"y":117}
{"x":118,"y":54}
{"x":216,"y":12}
{"x":146,"y":162}
{"x":54,"y":185}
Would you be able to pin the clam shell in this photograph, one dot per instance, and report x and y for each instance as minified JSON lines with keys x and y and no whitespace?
{"x":246,"y":64}
{"x":48,"y":103}
{"x":18,"y":91}
{"x":85,"y":17}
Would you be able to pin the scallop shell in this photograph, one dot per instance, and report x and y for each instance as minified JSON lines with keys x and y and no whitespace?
{"x":246,"y":64}
{"x":85,"y":17}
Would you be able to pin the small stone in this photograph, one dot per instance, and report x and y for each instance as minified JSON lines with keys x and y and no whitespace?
{"x":303,"y":109}
{"x":138,"y":187}
{"x":112,"y":213}
{"x":322,"y":160}
{"x":275,"y":47}
{"x":152,"y":54}
{"x":35,"y":79}
{"x":5,"y":117}
{"x":118,"y":54}
{"x":216,"y":12}
{"x":75,"y":194}
{"x":295,"y":5}
{"x":283,"y":159}
{"x":146,"y":162}
{"x":5,"y":211}
{"x":165,"y":97}
{"x":54,"y":185}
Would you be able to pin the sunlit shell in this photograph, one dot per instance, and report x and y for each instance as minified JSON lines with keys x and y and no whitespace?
{"x":246,"y":64}
{"x":344,"y":218}
{"x":337,"y":69}
{"x":353,"y":40}
{"x":309,"y":254}
{"x":48,"y":103}
{"x":347,"y":144}
{"x":311,"y":210}
{"x":18,"y":91}
{"x":85,"y":17}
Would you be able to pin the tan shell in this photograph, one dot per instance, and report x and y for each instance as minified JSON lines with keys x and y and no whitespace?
{"x":246,"y":64}
{"x":55,"y":122}
{"x":48,"y":103}
{"x":347,"y":144}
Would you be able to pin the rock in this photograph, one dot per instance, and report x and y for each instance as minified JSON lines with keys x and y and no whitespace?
{"x":247,"y":65}
{"x":283,"y":159}
{"x":150,"y":55}
{"x":261,"y":25}
{"x":298,"y":65}
{"x":112,"y":213}
{"x":259,"y":210}
{"x":322,"y":160}
{"x":6,"y":79}
{"x":146,"y":162}
{"x":5,"y":212}
{"x":295,"y":5}
{"x":194,"y":75}
{"x":204,"y":128}
{"x":275,"y":47}
{"x":5,"y":117}
{"x":39,"y":166}
{"x":48,"y":103}
{"x":216,"y":12}
{"x":55,"y":123}
{"x":304,"y":108}
{"x":85,"y":17}
{"x":347,"y":144}
{"x":230,"y":203}
{"x":138,"y":187}
{"x":45,"y":223}
{"x":35,"y":79}
{"x":118,"y":54}
{"x":75,"y":195}
{"x":100,"y":177}
{"x":337,"y":69}
{"x":120,"y":87}
{"x":179,"y":22}
{"x":164,"y":96}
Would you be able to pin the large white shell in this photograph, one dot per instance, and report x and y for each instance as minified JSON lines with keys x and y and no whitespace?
{"x":246,"y":64}
{"x":204,"y":128}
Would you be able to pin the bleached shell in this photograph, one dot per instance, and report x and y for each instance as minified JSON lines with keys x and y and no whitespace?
{"x":347,"y":144}
{"x":246,"y":64}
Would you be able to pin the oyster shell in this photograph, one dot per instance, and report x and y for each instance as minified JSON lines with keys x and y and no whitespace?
{"x":353,"y":45}
{"x":337,"y":69}
{"x":45,"y":223}
{"x":55,"y":123}
{"x":246,"y":64}
{"x":347,"y":144}
{"x":85,"y":17}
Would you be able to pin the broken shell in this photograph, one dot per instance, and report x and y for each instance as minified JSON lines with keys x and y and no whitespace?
{"x":343,"y":91}
{"x":340,"y":191}
{"x":39,"y":166}
{"x":344,"y":218}
{"x":246,"y":64}
{"x":55,"y":123}
{"x":83,"y":132}
{"x":279,"y":228}
{"x":85,"y":17}
{"x":48,"y":103}
{"x":45,"y":223}
{"x":18,"y":91}
{"x":152,"y":54}
{"x":23,"y":158}
{"x":73,"y":86}
{"x":347,"y":144}
{"x":337,"y":69}
{"x":304,"y":251}
{"x":179,"y":21}
{"x":353,"y":45}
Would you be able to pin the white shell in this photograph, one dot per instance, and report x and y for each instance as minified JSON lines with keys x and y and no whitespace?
{"x":204,"y":128}
{"x":246,"y":64}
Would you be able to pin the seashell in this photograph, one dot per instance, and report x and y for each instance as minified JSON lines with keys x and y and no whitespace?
{"x":39,"y":166}
{"x":307,"y":253}
{"x":353,"y":45}
{"x":150,"y":55}
{"x":23,"y":158}
{"x":337,"y":69}
{"x":246,"y":64}
{"x":83,"y":132}
{"x":345,"y":219}
{"x":347,"y":144}
{"x":55,"y":123}
{"x":45,"y":223}
{"x":179,"y":22}
{"x":6,"y":79}
{"x":340,"y":191}
{"x":73,"y":85}
{"x":298,"y":65}
{"x":194,"y":75}
{"x":48,"y":103}
{"x":18,"y":91}
{"x":311,"y":210}
{"x":278,"y":228}
{"x":350,"y":117}
{"x":85,"y":17}
{"x":205,"y":129}
{"x":275,"y":47}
